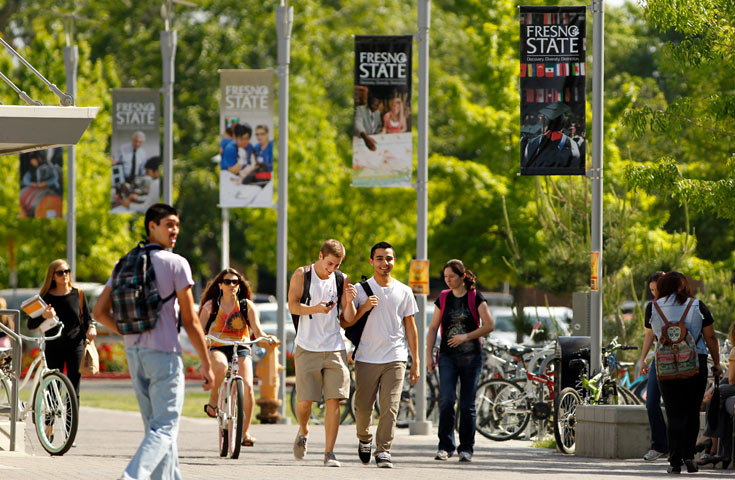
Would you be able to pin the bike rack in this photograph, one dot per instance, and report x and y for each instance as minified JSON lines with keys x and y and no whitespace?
{"x":17,"y":354}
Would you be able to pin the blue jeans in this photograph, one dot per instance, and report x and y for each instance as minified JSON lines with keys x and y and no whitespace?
{"x":655,"y":415}
{"x":158,"y":380}
{"x":465,"y":368}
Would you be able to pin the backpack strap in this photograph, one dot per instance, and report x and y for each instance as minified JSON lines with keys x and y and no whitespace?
{"x":306,"y":295}
{"x":472,"y":301}
{"x":666,"y":320}
{"x":442,"y":303}
{"x":339,"y":279}
{"x":152,"y":247}
{"x":243,"y":304}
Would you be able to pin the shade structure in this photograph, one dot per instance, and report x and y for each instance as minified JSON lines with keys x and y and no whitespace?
{"x":26,"y":128}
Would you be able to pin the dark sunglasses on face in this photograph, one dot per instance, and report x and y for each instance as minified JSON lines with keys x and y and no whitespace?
{"x":62,"y":272}
{"x":230,"y":281}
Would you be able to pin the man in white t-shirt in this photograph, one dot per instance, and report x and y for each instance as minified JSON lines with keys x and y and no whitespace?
{"x":380,"y":358}
{"x":320,"y":357}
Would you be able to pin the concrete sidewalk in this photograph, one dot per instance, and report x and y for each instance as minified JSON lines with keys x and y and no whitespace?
{"x":107,"y":439}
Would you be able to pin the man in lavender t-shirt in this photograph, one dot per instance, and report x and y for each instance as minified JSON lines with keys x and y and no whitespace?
{"x":154,"y":356}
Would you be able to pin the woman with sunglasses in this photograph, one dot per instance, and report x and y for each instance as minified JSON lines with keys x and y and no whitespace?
{"x":70,"y":306}
{"x":228,"y":313}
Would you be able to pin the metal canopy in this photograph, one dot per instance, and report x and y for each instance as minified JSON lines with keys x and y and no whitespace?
{"x":26,"y":128}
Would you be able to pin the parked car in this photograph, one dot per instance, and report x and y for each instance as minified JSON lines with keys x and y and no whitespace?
{"x":551,"y":321}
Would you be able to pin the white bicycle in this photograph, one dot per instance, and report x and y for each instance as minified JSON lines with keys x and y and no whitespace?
{"x":53,"y":402}
{"x":230,"y":404}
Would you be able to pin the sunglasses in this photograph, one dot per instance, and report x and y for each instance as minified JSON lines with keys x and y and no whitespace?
{"x":62,"y":272}
{"x":230,"y":281}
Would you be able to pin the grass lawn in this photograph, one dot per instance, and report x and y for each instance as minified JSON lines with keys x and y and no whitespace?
{"x":193,"y":403}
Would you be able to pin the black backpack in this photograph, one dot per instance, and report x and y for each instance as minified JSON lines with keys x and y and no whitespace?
{"x":136,"y":302}
{"x":339,"y":278}
{"x":354,"y":331}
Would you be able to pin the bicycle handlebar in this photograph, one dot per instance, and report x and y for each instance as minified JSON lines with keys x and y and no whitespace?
{"x":239,"y":343}
{"x":43,"y":338}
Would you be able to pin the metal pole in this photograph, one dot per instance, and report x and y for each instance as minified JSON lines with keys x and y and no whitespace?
{"x":598,"y":62}
{"x":14,"y":334}
{"x":168,"y":52}
{"x":284,"y":22}
{"x":225,"y":238}
{"x":71,"y":59}
{"x":421,"y":426}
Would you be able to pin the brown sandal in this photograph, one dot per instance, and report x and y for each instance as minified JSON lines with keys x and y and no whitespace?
{"x":248,"y":441}
{"x":207,"y":411}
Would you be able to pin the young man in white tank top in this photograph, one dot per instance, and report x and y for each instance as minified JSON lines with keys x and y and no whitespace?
{"x":320,"y":357}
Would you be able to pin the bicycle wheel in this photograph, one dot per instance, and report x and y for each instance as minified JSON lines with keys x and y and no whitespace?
{"x":502,"y":409}
{"x":565,"y":419}
{"x":628,"y":396}
{"x":235,"y":416}
{"x":55,"y":413}
{"x":222,"y":409}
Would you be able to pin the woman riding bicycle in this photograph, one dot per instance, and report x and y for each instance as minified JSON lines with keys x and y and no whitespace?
{"x":460,"y":356}
{"x":228,"y":313}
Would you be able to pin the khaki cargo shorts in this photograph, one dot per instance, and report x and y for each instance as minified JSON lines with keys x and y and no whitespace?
{"x":318,"y":372}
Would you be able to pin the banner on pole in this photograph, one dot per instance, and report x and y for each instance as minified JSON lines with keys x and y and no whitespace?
{"x":136,"y":149}
{"x":246,"y":138}
{"x":553,"y":70}
{"x":41,"y":183}
{"x":382,"y":143}
{"x":418,"y":277}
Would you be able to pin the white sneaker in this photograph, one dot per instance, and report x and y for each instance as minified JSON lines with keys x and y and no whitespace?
{"x":330,"y":460}
{"x":652,"y":455}
{"x":465,"y":457}
{"x":299,"y":446}
{"x":442,"y":455}
{"x":382,"y":460}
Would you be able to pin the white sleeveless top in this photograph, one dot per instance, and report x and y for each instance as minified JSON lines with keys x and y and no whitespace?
{"x":321,"y":332}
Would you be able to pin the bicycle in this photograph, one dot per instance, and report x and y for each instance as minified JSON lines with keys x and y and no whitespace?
{"x":53,"y":402}
{"x":601,"y":389}
{"x":231,"y":400}
{"x":506,"y":406}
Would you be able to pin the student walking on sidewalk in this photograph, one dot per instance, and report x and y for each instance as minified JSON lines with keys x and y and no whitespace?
{"x":464,"y":318}
{"x":380,"y":358}
{"x":316,"y":294}
{"x":154,"y":356}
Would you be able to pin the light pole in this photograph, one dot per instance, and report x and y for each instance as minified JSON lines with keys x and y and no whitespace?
{"x":284,"y":22}
{"x":168,"y":54}
{"x":421,"y":426}
{"x":71,"y":62}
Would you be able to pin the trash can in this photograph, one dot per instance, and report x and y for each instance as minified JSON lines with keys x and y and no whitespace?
{"x":567,"y":349}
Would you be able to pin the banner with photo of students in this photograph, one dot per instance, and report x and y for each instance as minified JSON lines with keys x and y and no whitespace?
{"x":42,"y":183}
{"x":382,"y":143}
{"x":135,"y":148}
{"x":553,"y":130}
{"x":246,"y":138}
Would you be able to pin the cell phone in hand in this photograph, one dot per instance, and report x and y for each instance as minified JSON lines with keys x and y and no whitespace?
{"x":330,"y":303}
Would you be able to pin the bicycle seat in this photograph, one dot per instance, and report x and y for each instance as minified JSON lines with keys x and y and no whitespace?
{"x":519,"y":351}
{"x":578,"y":364}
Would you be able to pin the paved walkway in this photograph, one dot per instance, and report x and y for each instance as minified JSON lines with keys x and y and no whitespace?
{"x":107,"y":439}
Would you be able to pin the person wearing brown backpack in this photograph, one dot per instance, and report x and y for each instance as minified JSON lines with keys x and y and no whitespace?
{"x":676,"y":319}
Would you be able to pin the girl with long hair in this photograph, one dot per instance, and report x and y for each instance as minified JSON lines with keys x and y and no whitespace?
{"x":227,"y":312}
{"x":683,"y":396}
{"x":69,"y":305}
{"x":464,"y":317}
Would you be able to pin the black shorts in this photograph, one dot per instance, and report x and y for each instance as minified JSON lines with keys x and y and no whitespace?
{"x":227,"y":350}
